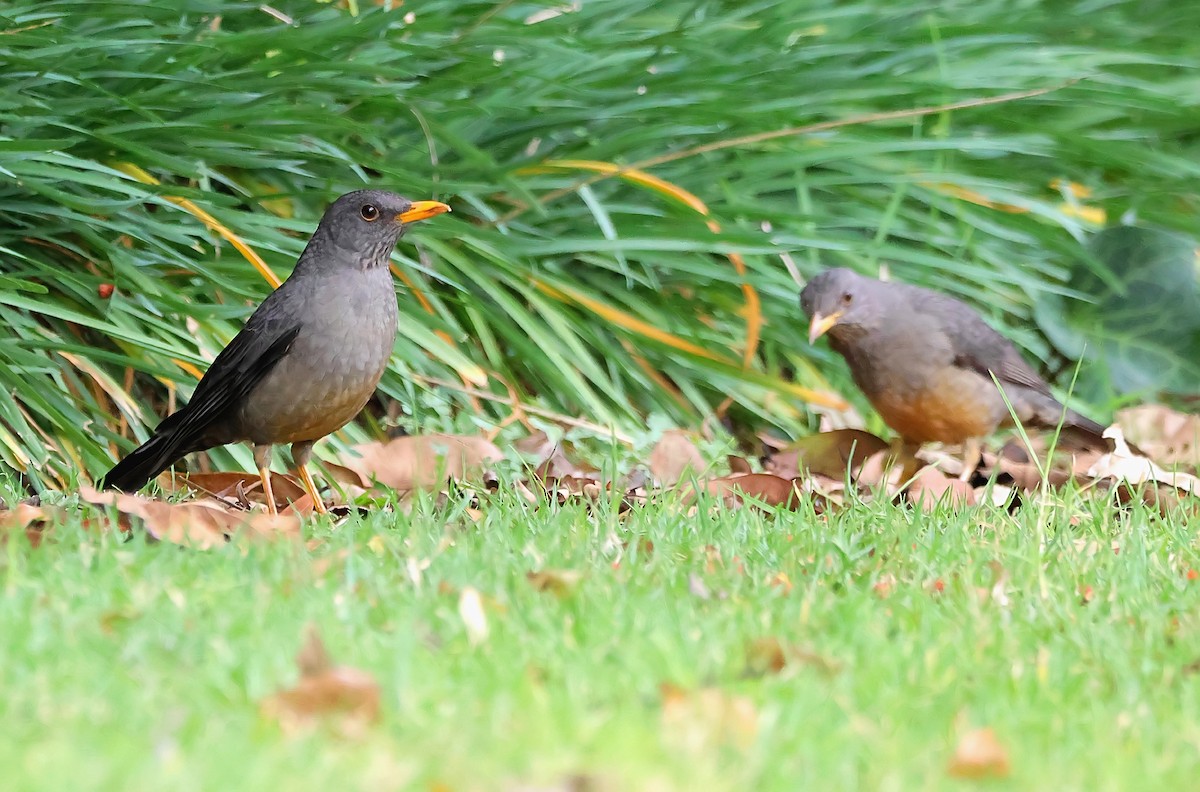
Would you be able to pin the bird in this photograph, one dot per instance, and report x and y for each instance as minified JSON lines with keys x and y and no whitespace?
{"x":929,"y":364}
{"x":307,"y":360}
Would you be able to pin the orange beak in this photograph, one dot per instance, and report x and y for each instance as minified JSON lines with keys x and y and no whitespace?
{"x":821,"y":324}
{"x":421,"y":210}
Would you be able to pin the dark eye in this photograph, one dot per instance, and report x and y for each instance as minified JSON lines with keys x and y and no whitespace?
{"x":847,"y":298}
{"x":369,"y":212}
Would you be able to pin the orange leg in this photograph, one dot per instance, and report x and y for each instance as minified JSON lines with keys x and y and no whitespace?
{"x":262,"y":460}
{"x":972,"y":456}
{"x":301,"y":453}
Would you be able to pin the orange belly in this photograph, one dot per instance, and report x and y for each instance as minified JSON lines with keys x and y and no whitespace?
{"x":952,"y":408}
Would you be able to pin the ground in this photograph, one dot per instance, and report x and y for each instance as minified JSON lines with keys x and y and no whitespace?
{"x":1069,"y":630}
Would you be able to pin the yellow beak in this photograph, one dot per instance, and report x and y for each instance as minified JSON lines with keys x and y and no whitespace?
{"x":821,"y":324}
{"x":421,"y":210}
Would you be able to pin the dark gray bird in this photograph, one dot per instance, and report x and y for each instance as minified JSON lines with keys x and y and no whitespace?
{"x":926,"y":361}
{"x":309,"y":357}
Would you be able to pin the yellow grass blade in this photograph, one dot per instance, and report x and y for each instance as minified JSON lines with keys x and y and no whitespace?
{"x":753,"y":308}
{"x":134,"y":172}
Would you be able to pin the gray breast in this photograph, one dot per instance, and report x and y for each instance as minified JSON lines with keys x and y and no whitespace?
{"x":334,"y":365}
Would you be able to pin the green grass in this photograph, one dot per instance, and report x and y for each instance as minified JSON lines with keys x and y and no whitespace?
{"x":126,"y":666}
{"x":130,"y":666}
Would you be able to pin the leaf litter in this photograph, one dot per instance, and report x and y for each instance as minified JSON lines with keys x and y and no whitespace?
{"x":823,"y":472}
{"x":345,"y":698}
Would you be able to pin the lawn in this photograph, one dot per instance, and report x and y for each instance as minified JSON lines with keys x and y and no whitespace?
{"x":639,"y":191}
{"x":1070,"y":631}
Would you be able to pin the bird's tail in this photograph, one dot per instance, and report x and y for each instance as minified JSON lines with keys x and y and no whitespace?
{"x":1078,"y":431}
{"x":1083,"y":431}
{"x":145,"y":462}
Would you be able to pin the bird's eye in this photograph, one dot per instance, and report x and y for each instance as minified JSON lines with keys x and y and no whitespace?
{"x":847,"y":298}
{"x":369,"y":212}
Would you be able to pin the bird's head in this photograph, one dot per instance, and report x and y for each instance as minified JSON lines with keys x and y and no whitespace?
{"x":365,"y":225}
{"x":841,"y":302}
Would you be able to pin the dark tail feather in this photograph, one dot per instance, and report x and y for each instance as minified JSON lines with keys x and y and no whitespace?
{"x":145,"y":462}
{"x":1085,"y":426}
{"x":1083,"y":432}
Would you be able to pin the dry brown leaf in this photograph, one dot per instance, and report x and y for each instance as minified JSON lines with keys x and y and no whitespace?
{"x":979,"y":755}
{"x":884,"y":585}
{"x":300,"y":507}
{"x":243,"y":488}
{"x":198,"y":524}
{"x":25,"y":517}
{"x":932,"y":487}
{"x":702,"y":720}
{"x":1171,"y":438}
{"x":674,"y":457}
{"x":738,"y":466}
{"x":536,"y":445}
{"x":422,"y":461}
{"x":552,"y":460}
{"x":765,"y":656}
{"x":1014,"y":460}
{"x":555,"y":581}
{"x":828,"y":454}
{"x":781,"y":581}
{"x":765,"y":487}
{"x":1125,"y":468}
{"x":770,"y":656}
{"x":348,"y":696}
{"x":882,"y":470}
{"x":347,"y":477}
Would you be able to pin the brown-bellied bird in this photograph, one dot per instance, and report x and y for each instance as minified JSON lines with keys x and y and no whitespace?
{"x":309,"y":357}
{"x":926,"y":362}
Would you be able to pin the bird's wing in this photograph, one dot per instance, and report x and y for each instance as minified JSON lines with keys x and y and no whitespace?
{"x":253,"y":352}
{"x":980,"y":348}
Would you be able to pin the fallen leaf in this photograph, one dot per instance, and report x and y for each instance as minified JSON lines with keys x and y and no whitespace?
{"x":562,"y":465}
{"x":701,"y":720}
{"x":884,"y":585}
{"x":765,"y":656}
{"x":243,"y":488}
{"x":25,"y":517}
{"x":1123,"y":466}
{"x":1086,"y":594}
{"x":979,"y":755}
{"x":931,"y":487}
{"x":738,"y":466}
{"x":882,"y":471}
{"x":346,"y":476}
{"x":674,"y":457}
{"x":555,"y":581}
{"x":348,"y":696}
{"x":470,"y":610}
{"x":422,"y":461}
{"x":829,"y":454}
{"x":1014,"y":460}
{"x":1169,"y":437}
{"x":765,"y":487}
{"x":197,"y":524}
{"x":780,"y":580}
{"x":537,"y":446}
{"x":770,"y":656}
